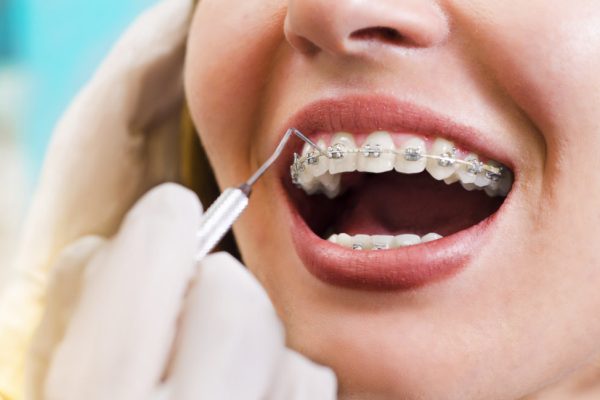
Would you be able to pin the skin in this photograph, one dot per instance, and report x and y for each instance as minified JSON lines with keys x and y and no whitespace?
{"x":521,"y":321}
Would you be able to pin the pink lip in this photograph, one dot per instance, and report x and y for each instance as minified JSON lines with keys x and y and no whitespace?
{"x":397,"y":269}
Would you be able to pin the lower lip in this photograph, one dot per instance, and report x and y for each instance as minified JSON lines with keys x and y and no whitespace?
{"x":397,"y":269}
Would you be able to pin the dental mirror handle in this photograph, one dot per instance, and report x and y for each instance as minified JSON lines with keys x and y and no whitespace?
{"x":219,"y":218}
{"x":221,"y":215}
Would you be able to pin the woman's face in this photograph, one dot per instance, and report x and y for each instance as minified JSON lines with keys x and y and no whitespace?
{"x":497,"y":309}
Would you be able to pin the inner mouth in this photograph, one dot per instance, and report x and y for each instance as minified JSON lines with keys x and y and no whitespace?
{"x":380,"y":195}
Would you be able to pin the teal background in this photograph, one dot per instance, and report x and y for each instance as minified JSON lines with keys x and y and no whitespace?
{"x":52,"y":47}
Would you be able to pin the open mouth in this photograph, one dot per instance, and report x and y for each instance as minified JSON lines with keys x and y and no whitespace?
{"x":394,"y":190}
{"x":391,"y":209}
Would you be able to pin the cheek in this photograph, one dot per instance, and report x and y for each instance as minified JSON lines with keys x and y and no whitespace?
{"x":229,"y":53}
{"x":546,"y":57}
{"x":545,"y":54}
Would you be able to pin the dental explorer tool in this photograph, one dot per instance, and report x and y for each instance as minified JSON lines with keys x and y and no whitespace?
{"x":221,"y":215}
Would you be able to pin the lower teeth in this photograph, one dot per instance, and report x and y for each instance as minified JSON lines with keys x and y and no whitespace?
{"x":381,"y":242}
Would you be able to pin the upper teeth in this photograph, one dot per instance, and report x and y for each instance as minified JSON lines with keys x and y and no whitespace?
{"x":318,"y":170}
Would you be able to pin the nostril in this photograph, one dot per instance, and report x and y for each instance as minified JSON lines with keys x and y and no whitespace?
{"x":302,"y":44}
{"x":382,"y":34}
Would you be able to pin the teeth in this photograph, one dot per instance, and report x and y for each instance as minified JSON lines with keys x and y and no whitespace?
{"x":380,"y":242}
{"x":469,"y":186}
{"x":468,"y":173}
{"x":348,"y":162}
{"x":315,"y":176}
{"x":330,"y":184}
{"x":482,"y":181}
{"x":320,"y":165}
{"x":345,"y":240}
{"x":501,"y":187}
{"x":442,"y":168}
{"x":316,"y":172}
{"x":306,"y":178}
{"x":361,"y":242}
{"x":430,"y":237}
{"x":407,"y":240}
{"x":410,"y":159}
{"x":309,"y":183}
{"x":376,"y":154}
{"x":452,"y":179}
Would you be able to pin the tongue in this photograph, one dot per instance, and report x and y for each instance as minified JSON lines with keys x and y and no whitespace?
{"x":393,"y":204}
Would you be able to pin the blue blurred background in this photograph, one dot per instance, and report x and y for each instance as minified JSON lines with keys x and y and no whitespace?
{"x":48,"y":49}
{"x":53,"y":46}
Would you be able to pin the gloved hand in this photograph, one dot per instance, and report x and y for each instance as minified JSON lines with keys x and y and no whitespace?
{"x":119,"y":138}
{"x":134,"y":317}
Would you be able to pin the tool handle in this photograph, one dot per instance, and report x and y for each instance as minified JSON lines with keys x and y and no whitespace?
{"x":219,"y":218}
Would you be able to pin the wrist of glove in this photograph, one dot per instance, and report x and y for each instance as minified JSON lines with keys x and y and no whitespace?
{"x":135,"y":317}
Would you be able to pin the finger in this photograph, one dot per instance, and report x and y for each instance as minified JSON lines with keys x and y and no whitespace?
{"x":122,"y":329}
{"x":230,"y":340}
{"x":61,"y":298}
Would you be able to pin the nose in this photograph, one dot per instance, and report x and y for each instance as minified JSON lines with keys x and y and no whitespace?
{"x":354,"y":27}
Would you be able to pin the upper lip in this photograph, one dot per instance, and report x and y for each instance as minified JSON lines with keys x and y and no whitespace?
{"x":363,"y":114}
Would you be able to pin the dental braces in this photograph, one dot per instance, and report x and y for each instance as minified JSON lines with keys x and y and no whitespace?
{"x":446,"y":159}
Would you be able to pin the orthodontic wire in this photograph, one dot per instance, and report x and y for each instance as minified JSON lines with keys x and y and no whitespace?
{"x":301,"y":161}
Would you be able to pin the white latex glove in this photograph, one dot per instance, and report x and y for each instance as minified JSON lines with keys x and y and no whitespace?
{"x":119,"y":138}
{"x":134,"y":317}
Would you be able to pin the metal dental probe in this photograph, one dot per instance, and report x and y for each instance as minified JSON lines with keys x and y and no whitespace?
{"x":221,"y":215}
